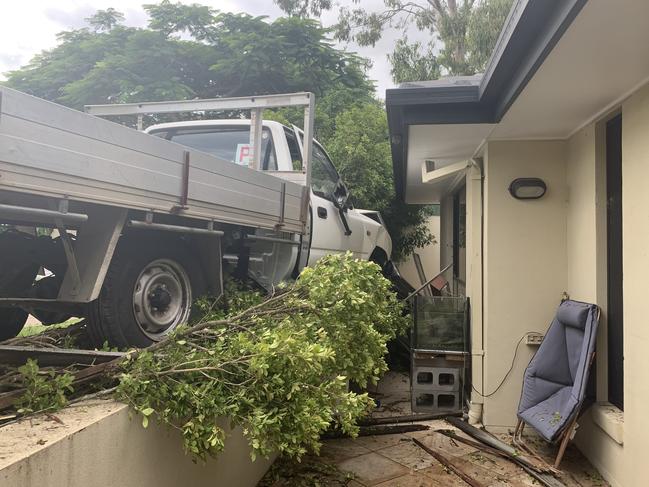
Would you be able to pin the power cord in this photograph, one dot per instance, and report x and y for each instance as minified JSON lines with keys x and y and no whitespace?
{"x":510,"y":368}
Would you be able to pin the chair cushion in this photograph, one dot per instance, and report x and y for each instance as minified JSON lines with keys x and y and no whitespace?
{"x":549,"y":417}
{"x":572,"y":313}
{"x":554,"y":383}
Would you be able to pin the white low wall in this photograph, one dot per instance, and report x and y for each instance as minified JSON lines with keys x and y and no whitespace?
{"x":100,"y":444}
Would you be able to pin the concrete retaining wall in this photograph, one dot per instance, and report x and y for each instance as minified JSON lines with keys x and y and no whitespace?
{"x":99,"y":445}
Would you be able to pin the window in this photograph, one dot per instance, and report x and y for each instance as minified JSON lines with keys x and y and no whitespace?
{"x":224,"y":142}
{"x":294,"y":149}
{"x":615,"y":310}
{"x":324,"y":177}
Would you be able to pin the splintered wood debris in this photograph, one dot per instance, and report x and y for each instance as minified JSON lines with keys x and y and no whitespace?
{"x":57,"y":350}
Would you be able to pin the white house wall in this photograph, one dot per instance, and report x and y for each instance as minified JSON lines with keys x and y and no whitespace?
{"x":635,"y":203}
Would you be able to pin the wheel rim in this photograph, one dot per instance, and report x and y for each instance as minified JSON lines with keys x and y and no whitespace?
{"x":161,"y":298}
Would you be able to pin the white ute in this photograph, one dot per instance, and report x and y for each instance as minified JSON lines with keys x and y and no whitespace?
{"x":336,"y":226}
{"x":141,"y":226}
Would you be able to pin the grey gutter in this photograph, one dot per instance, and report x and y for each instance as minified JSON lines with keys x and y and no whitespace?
{"x":531,"y":31}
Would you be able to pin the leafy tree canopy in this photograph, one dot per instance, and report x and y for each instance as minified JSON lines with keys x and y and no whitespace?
{"x":413,"y":62}
{"x":467,"y":31}
{"x":105,"y":19}
{"x":225,"y":55}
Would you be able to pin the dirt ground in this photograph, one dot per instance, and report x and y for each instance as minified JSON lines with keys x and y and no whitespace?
{"x":397,"y":461}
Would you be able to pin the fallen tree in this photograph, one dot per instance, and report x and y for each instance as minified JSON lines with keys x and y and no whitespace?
{"x":277,"y":366}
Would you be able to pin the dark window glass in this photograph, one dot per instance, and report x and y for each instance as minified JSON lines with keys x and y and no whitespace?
{"x":615,"y":320}
{"x":324,"y":177}
{"x":228,"y":143}
{"x":294,"y":149}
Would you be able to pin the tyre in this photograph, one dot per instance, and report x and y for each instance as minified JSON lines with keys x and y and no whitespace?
{"x":12,"y":321}
{"x":19,"y":264}
{"x":147,"y":293}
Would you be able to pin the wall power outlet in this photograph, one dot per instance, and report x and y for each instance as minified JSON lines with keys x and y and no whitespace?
{"x":533,"y":339}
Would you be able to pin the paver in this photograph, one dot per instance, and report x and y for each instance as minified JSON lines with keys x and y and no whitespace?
{"x":373,"y":468}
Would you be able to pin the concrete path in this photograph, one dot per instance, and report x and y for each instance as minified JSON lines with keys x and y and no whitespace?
{"x":395,"y":460}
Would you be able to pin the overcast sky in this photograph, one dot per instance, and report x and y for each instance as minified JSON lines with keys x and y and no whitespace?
{"x":29,"y":26}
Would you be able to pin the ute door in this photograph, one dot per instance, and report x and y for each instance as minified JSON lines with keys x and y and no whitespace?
{"x":328,"y":194}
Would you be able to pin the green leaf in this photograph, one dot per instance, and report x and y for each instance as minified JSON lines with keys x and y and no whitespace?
{"x":147,"y":411}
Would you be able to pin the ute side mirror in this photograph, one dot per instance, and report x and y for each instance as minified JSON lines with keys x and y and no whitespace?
{"x":341,"y":195}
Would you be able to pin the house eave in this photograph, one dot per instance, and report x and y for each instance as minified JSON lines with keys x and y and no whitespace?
{"x":531,"y":30}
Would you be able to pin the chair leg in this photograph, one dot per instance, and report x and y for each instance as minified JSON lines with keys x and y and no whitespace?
{"x":519,"y":443}
{"x":518,"y":427}
{"x":564,"y":443}
{"x":518,"y":432}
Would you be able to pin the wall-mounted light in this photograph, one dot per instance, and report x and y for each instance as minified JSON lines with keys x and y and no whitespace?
{"x":527,"y":188}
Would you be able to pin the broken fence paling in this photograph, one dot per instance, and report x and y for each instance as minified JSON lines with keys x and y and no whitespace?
{"x":542,"y":473}
{"x":448,"y":464}
{"x":405,"y":419}
{"x":16,"y":355}
{"x":388,"y":429}
{"x":487,"y":449}
{"x":81,"y":376}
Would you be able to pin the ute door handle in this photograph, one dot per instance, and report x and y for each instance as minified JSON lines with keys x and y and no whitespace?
{"x":322,"y":212}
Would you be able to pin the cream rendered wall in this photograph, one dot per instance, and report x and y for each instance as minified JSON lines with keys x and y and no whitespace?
{"x":622,"y":465}
{"x":586,"y":251}
{"x":635,"y":204}
{"x":524,"y":263}
{"x":535,"y":250}
{"x":581,"y":216}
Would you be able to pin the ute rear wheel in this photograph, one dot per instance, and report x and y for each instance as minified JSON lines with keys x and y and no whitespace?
{"x":147,"y":293}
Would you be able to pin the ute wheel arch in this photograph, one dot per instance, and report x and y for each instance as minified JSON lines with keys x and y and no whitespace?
{"x":12,"y":321}
{"x":379,"y":256}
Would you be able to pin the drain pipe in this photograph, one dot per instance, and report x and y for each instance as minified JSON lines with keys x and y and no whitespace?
{"x":476,"y":408}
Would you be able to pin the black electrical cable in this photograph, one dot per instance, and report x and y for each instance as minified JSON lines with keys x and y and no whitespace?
{"x":510,"y":368}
